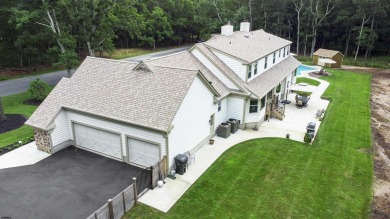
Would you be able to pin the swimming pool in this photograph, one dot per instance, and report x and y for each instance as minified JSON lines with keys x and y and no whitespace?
{"x":304,"y":68}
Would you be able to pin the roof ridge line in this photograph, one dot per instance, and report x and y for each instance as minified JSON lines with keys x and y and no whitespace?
{"x":112,"y":60}
{"x":160,"y":57}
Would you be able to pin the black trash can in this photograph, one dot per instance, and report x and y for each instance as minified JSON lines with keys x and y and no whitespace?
{"x":234,"y":125}
{"x":181,"y":164}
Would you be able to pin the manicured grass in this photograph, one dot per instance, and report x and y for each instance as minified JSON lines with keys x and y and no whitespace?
{"x":374,"y":62}
{"x":308,"y":81}
{"x":280,"y":178}
{"x":14,"y":105}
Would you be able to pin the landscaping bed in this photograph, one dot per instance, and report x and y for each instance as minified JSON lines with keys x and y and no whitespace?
{"x":281,"y":178}
{"x":12,"y":121}
{"x":13,"y":104}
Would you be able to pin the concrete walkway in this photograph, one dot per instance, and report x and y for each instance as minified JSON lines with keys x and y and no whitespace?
{"x":294,"y":123}
{"x":25,"y":155}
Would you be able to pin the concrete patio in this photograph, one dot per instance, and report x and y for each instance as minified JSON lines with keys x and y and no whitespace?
{"x":294,"y":124}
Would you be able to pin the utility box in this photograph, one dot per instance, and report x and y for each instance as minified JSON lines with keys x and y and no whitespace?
{"x":224,"y":130}
{"x":233,"y":124}
{"x":181,"y":164}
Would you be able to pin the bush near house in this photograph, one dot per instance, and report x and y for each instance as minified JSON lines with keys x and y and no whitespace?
{"x":39,"y":89}
{"x":280,"y":178}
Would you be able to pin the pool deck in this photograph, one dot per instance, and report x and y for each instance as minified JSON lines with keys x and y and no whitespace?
{"x":294,"y":124}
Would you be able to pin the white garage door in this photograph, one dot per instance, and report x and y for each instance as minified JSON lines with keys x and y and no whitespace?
{"x":143,"y":153}
{"x":96,"y":140}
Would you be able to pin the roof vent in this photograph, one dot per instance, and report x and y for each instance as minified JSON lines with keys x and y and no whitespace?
{"x":245,"y":26}
{"x":227,"y":30}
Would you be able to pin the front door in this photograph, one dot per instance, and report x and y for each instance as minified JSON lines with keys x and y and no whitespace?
{"x":212,"y":130}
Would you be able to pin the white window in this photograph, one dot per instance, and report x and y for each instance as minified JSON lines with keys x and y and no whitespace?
{"x":249,"y":71}
{"x":253,"y":105}
{"x":274,"y":58}
{"x":280,"y":51}
{"x":265,"y":62}
{"x":219,"y":106}
{"x":284,"y":52}
{"x":288,"y":50}
{"x":255,"y":73}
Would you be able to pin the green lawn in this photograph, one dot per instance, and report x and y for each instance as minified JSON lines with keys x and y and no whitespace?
{"x":280,"y":178}
{"x":14,"y":105}
{"x":308,"y":81}
{"x":374,"y":62}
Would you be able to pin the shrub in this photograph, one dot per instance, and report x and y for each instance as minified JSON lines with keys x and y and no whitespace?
{"x":307,"y":138}
{"x":39,"y":89}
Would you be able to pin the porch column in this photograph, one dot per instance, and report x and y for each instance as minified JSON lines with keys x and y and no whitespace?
{"x":42,"y":140}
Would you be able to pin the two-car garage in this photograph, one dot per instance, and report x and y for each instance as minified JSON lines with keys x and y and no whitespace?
{"x":108,"y":143}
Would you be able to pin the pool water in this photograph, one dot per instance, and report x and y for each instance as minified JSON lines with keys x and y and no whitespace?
{"x":304,"y":68}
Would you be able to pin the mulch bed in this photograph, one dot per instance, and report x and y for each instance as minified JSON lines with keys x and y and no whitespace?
{"x":32,"y":102}
{"x":12,"y":122}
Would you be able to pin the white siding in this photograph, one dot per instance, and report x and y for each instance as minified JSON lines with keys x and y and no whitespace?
{"x":270,"y":64}
{"x":236,"y":108}
{"x":221,"y":76}
{"x":191,"y":123}
{"x":234,"y":64}
{"x":60,"y":133}
{"x":254,"y":117}
{"x":124,"y":130}
{"x":221,"y":116}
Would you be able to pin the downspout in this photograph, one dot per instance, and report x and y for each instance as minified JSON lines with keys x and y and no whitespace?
{"x":165,"y":134}
{"x":244,"y":114}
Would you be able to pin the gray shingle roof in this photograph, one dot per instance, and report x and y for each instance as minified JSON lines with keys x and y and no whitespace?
{"x":186,"y":60}
{"x":326,"y":53}
{"x":263,"y":83}
{"x":246,"y":46}
{"x":112,"y":89}
{"x":221,"y":65}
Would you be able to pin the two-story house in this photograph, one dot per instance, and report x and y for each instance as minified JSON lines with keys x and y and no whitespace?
{"x":139,"y":112}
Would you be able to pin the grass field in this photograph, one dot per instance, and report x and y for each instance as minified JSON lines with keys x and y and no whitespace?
{"x":14,"y":105}
{"x":374,"y":62}
{"x":280,"y":178}
{"x":308,"y":81}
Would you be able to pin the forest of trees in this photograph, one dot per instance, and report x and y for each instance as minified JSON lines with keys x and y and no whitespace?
{"x":35,"y":32}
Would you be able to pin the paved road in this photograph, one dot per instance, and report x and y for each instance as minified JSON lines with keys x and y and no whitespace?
{"x":68,"y":184}
{"x":15,"y":86}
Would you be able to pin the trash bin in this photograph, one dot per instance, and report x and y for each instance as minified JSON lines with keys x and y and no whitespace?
{"x":224,"y":130}
{"x":181,"y":164}
{"x":234,"y":125}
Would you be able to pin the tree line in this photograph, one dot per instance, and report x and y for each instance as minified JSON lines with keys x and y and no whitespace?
{"x":34,"y":32}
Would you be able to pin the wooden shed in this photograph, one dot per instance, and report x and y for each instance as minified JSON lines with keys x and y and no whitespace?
{"x":328,"y":54}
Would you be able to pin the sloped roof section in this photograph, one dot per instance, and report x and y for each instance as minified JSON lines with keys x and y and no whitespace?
{"x":186,"y":60}
{"x":248,"y":46}
{"x":326,"y":53}
{"x":112,"y":89}
{"x":222,"y":66}
{"x":263,"y":83}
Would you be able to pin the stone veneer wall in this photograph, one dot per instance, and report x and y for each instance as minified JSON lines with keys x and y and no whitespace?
{"x":42,"y":140}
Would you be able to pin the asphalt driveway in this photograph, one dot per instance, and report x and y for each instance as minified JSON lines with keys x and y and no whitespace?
{"x":69,"y":184}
